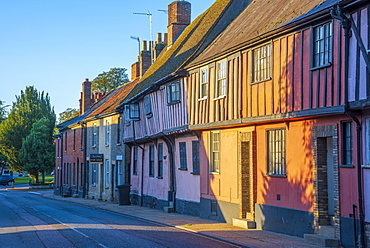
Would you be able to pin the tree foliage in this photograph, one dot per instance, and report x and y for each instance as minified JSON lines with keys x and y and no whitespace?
{"x":38,"y":150}
{"x":3,"y":111}
{"x":68,"y":114}
{"x":107,"y":81}
{"x":29,"y":107}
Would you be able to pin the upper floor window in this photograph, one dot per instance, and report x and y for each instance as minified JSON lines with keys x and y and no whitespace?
{"x":276,"y":144}
{"x":74,"y":140}
{"x":204,"y":80}
{"x":65,"y":142}
{"x":132,"y":112}
{"x":148,"y":107}
{"x":94,"y":135}
{"x":347,"y":143}
{"x":262,"y":63}
{"x":215,"y":152}
{"x":221,"y":81}
{"x":107,"y":132}
{"x":173,"y":92}
{"x":322,"y":50}
{"x":119,"y":130}
{"x":107,"y":173}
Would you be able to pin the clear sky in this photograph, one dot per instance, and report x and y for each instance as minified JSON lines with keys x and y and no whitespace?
{"x":54,"y":45}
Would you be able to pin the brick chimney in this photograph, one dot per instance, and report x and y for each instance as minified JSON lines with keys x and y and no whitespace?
{"x":85,"y":101}
{"x":135,"y":70}
{"x":144,"y":58}
{"x":178,"y":19}
{"x":160,"y":44}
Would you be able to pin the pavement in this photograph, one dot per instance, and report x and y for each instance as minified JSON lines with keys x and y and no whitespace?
{"x":222,"y":231}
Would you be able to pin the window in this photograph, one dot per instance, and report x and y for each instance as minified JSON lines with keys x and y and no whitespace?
{"x":148,"y":107}
{"x":183,"y":163}
{"x":262,"y":63}
{"x":322,"y":49}
{"x":173,"y":92}
{"x":107,"y":133}
{"x":135,"y":158}
{"x":276,"y":144}
{"x":107,"y":173}
{"x":151,"y":160}
{"x":204,"y":80}
{"x":65,"y":142}
{"x":221,"y":83}
{"x":74,"y":140}
{"x":196,"y":158}
{"x":93,"y":173}
{"x":119,"y":130}
{"x":160,"y":160}
{"x":119,"y":172}
{"x":347,"y":143}
{"x":215,"y":152}
{"x":94,"y":135}
{"x":82,"y":130}
{"x":132,"y":112}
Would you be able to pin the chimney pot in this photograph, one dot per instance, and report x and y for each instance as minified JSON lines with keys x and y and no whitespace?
{"x":144,"y":45}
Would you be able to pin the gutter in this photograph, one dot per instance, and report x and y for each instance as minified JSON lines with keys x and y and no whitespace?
{"x":347,"y":23}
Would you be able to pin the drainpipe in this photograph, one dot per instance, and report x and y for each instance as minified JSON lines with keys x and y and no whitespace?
{"x":142,"y":165}
{"x":346,"y":22}
{"x":171,"y":151}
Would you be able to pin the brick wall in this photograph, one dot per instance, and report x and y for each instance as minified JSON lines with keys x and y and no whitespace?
{"x":179,"y":16}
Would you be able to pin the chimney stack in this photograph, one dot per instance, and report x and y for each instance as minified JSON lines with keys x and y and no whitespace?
{"x":178,"y":19}
{"x":85,"y":101}
{"x":144,"y":58}
{"x":159,"y":45}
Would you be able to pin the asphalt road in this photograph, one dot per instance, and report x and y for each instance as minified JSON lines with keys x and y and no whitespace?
{"x":30,"y":220}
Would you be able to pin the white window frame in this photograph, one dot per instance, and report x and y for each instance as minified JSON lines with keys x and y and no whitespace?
{"x":215,"y":151}
{"x":107,"y":132}
{"x":94,"y":135}
{"x":221,"y":79}
{"x":262,"y":63}
{"x":132,"y":112}
{"x":204,"y":83}
{"x":119,"y":172}
{"x":107,"y":173}
{"x":322,"y":45}
{"x":276,"y":151}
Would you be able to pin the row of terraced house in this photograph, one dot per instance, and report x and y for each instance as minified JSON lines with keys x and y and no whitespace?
{"x":257,"y":113}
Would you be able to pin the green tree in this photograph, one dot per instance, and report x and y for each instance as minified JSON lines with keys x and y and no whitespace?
{"x":2,"y":111}
{"x":68,"y":114}
{"x":29,"y":107}
{"x":38,"y":150}
{"x":107,"y":81}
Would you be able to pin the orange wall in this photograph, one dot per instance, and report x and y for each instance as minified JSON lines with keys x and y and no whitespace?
{"x":296,"y":189}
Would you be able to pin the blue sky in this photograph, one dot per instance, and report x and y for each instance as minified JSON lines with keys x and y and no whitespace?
{"x":54,"y":45}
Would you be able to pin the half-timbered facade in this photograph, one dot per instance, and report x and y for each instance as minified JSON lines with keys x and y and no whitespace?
{"x":164,"y":153}
{"x":269,"y":99}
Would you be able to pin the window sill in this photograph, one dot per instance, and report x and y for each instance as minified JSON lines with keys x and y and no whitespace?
{"x":73,"y":150}
{"x":195,"y":173}
{"x":203,"y":98}
{"x":118,"y":144}
{"x":262,"y":81}
{"x":106,"y":145}
{"x":106,"y":187}
{"x":214,"y":172}
{"x":183,"y":169}
{"x":276,"y":175}
{"x":159,"y":177}
{"x":94,"y":185}
{"x":321,"y":66}
{"x":173,"y":102}
{"x":346,"y":166}
{"x":134,"y":174}
{"x":94,"y":146}
{"x":365,"y":166}
{"x":150,"y":115}
{"x":219,"y":98}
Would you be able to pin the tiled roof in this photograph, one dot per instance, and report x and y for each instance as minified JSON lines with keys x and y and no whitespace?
{"x":113,"y":100}
{"x":197,"y":36}
{"x":261,"y":17}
